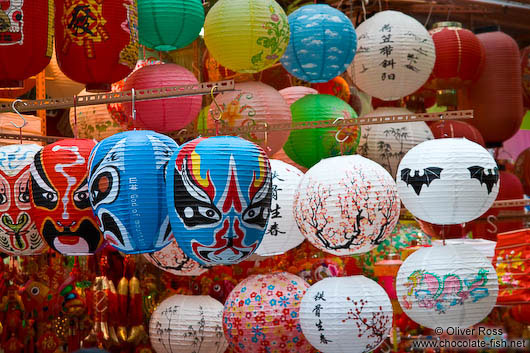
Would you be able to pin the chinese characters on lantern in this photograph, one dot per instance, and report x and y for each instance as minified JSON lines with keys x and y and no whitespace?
{"x":388,"y":62}
{"x":274,"y":228}
{"x":316,"y":310}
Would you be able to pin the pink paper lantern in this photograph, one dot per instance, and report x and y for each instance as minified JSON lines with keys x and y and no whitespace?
{"x":173,"y":260}
{"x":294,"y":93}
{"x":167,"y":114}
{"x":512,"y":148}
{"x":262,"y":314}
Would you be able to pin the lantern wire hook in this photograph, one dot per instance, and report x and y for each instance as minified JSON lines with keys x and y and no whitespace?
{"x":219,"y":112}
{"x":133,"y":101}
{"x":19,"y":127}
{"x":339,"y":131}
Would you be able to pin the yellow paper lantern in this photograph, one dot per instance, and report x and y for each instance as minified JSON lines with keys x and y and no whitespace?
{"x":246,"y":36}
{"x":57,"y":84}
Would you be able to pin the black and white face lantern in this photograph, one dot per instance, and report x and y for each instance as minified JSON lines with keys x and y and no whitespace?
{"x":448,"y":181}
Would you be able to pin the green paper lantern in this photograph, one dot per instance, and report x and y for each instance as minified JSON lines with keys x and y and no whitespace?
{"x":167,"y":25}
{"x":307,"y":147}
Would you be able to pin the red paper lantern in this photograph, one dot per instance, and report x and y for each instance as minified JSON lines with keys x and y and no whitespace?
{"x":12,"y":93}
{"x":522,"y":169}
{"x":525,"y":63}
{"x":96,"y":41}
{"x":496,"y":97}
{"x":454,"y":128}
{"x":452,"y":231}
{"x":26,"y":39}
{"x":459,"y":56}
{"x":337,"y":87}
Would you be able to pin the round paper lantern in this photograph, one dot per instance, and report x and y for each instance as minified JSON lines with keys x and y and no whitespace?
{"x":26,"y":40}
{"x":386,"y":144}
{"x":282,"y":232}
{"x":59,"y":194}
{"x":170,"y":24}
{"x":219,"y":198}
{"x":57,"y":84}
{"x":185,"y":323}
{"x":395,"y":55}
{"x":173,"y":260}
{"x":127,"y":190}
{"x":525,"y":63}
{"x":322,"y":45}
{"x":254,"y":103}
{"x":451,"y":231}
{"x":522,"y":169}
{"x":93,"y":121}
{"x":459,"y":56}
{"x":337,"y":87}
{"x":15,"y":92}
{"x":18,"y":233}
{"x":448,"y":181}
{"x":167,"y":114}
{"x":261,"y":314}
{"x":96,"y":41}
{"x":246,"y":35}
{"x":346,"y":205}
{"x":307,"y":147}
{"x":496,"y":97}
{"x":294,"y":93}
{"x":282,"y":156}
{"x":346,"y":315}
{"x":512,"y":148}
{"x":435,"y":292}
{"x":455,"y":128}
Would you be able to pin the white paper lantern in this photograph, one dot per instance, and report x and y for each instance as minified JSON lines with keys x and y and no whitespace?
{"x":386,"y":144}
{"x":346,"y":314}
{"x":282,"y":232}
{"x":186,"y":323}
{"x":447,"y":286}
{"x":346,"y":205}
{"x":395,"y":55}
{"x":448,"y":181}
{"x":173,"y":260}
{"x":483,"y":246}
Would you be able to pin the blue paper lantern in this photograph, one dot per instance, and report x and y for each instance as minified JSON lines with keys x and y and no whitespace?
{"x":127,"y":190}
{"x":322,"y":45}
{"x":219,"y":197}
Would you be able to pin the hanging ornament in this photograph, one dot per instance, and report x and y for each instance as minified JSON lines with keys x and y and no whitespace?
{"x":173,"y":260}
{"x":294,"y":93}
{"x":455,"y":128}
{"x":337,"y":87}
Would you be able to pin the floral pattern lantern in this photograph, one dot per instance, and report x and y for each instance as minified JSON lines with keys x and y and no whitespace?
{"x":435,"y":292}
{"x":346,"y":315}
{"x":246,"y":36}
{"x":395,"y":55}
{"x":270,"y":302}
{"x":294,"y":93}
{"x":173,"y":260}
{"x":349,"y":211}
{"x":322,"y":45}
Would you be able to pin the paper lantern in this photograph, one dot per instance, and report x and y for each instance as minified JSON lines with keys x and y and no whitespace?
{"x":100,"y":37}
{"x":307,"y":147}
{"x":167,"y":114}
{"x":59,"y":194}
{"x":26,"y":40}
{"x":262,"y":313}
{"x":483,"y":246}
{"x":337,"y":87}
{"x":282,"y":156}
{"x":451,"y":231}
{"x":254,"y":103}
{"x":496,"y":97}
{"x":346,"y":205}
{"x":322,"y":45}
{"x":294,"y":93}
{"x":186,"y":323}
{"x":282,"y":232}
{"x":448,"y":181}
{"x":459,"y":56}
{"x":435,"y":292}
{"x":386,"y":144}
{"x":127,"y":190}
{"x":15,"y":92}
{"x":346,"y":315}
{"x":18,"y":233}
{"x":169,"y":25}
{"x":522,"y":169}
{"x":525,"y":63}
{"x":219,"y":198}
{"x":395,"y":55}
{"x":515,"y":145}
{"x":57,"y":84}
{"x":93,"y":121}
{"x":455,"y":128}
{"x":246,"y":36}
{"x":173,"y":260}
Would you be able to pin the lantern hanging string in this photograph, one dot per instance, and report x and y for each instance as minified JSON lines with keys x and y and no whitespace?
{"x":19,"y":127}
{"x":75,"y":116}
{"x":133,"y":102}
{"x":428,"y":16}
{"x":364,"y":9}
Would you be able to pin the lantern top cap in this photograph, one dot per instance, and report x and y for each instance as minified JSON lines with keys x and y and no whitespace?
{"x":447,"y":24}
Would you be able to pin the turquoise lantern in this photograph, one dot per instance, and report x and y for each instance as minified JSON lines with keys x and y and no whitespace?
{"x":322,"y":45}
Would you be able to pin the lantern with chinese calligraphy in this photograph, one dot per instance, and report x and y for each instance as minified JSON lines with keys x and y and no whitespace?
{"x":337,"y":87}
{"x":59,"y":195}
{"x":26,"y":39}
{"x":127,"y":190}
{"x":271,"y":301}
{"x":246,"y":36}
{"x":282,"y":232}
{"x":435,"y":292}
{"x":294,"y":93}
{"x":346,"y":315}
{"x":173,"y":260}
{"x":322,"y":45}
{"x":185,"y":323}
{"x":455,"y":128}
{"x":100,"y":37}
{"x":395,"y":55}
{"x":349,"y":210}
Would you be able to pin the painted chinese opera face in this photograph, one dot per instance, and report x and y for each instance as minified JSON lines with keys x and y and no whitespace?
{"x":18,"y":233}
{"x":59,"y":193}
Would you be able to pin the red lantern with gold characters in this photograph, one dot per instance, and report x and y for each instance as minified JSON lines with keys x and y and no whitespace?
{"x":96,"y":41}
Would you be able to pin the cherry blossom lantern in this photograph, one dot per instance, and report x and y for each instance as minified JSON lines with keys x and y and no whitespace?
{"x":294,"y":93}
{"x":173,"y":260}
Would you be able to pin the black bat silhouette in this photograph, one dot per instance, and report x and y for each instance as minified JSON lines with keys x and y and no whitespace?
{"x":489,"y":179}
{"x":417,"y":181}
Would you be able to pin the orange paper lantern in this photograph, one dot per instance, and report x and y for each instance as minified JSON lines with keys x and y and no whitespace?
{"x":337,"y":87}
